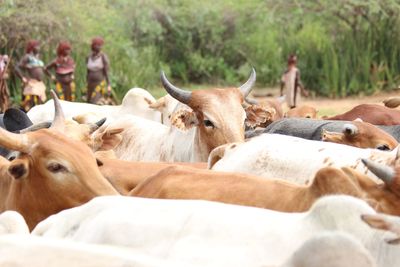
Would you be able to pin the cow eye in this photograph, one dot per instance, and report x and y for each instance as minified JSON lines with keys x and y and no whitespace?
{"x":56,"y":167}
{"x":383,"y":147}
{"x":208,"y":123}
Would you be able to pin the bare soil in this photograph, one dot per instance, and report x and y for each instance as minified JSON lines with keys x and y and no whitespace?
{"x":329,"y":106}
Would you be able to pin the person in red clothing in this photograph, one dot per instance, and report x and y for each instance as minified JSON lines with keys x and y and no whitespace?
{"x":64,"y":67}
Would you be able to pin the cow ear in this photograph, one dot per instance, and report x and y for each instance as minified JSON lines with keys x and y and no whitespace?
{"x":159,"y":104}
{"x":106,"y":139}
{"x":350,"y":129}
{"x":111,"y":138}
{"x":18,"y":169}
{"x":376,"y":221}
{"x":257,"y":115}
{"x":184,"y":119}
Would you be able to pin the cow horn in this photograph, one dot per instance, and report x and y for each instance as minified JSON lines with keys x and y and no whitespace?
{"x":59,"y":118}
{"x":177,"y":93}
{"x":383,"y":172}
{"x":12,"y":141}
{"x":397,"y":149}
{"x":251,"y":101}
{"x":246,"y":87}
{"x":37,"y":126}
{"x":94,"y":126}
{"x":350,"y":129}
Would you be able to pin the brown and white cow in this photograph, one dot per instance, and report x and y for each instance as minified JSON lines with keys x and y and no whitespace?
{"x":216,"y":117}
{"x":51,"y":173}
{"x":361,"y":134}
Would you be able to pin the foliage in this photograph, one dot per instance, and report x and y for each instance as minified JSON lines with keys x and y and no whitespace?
{"x":346,"y":47}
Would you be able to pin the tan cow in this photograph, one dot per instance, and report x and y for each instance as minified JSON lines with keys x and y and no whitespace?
{"x":302,"y":112}
{"x":247,"y":190}
{"x":126,"y":175}
{"x":241,"y":189}
{"x":51,"y":173}
{"x":361,"y":134}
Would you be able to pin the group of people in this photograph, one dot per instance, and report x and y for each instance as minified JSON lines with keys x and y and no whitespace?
{"x":31,"y":70}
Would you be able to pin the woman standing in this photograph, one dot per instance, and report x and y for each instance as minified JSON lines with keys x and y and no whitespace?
{"x":30,"y":71}
{"x":64,"y":67}
{"x":291,"y":82}
{"x":98,"y":83}
{"x":4,"y":94}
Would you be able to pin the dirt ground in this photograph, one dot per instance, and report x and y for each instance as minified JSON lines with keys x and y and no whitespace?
{"x":328,"y":106}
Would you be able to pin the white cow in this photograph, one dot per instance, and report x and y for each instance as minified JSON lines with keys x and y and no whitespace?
{"x":135,"y":102}
{"x":202,"y":233}
{"x":214,"y":117}
{"x":292,"y":158}
{"x":33,"y":251}
{"x":331,"y":249}
{"x":11,"y":222}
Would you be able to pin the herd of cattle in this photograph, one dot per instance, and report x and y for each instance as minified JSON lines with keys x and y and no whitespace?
{"x":201,"y":178}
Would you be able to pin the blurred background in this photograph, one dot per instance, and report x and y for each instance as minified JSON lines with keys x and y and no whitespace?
{"x":344,"y":47}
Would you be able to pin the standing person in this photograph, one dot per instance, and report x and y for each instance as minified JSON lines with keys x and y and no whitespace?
{"x":64,"y":67}
{"x":4,"y":93}
{"x":98,"y":83}
{"x":291,"y":82}
{"x":30,"y":71}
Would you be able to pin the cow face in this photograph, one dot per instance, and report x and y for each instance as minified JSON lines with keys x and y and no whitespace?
{"x":388,"y":194}
{"x":217,"y":113}
{"x":302,"y":112}
{"x":52,"y":173}
{"x":363,"y":135}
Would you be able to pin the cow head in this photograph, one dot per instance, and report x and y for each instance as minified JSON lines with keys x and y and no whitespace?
{"x":217,"y":113}
{"x":259,"y":116}
{"x":388,"y":193}
{"x":302,"y":112}
{"x":363,"y":135}
{"x":51,"y":173}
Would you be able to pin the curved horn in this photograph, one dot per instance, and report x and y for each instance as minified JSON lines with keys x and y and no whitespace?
{"x":350,"y":129}
{"x":383,"y":172}
{"x":35,"y":127}
{"x":246,"y":87}
{"x":59,"y":118}
{"x":251,"y":101}
{"x":94,"y":126}
{"x":177,"y":93}
{"x":12,"y":141}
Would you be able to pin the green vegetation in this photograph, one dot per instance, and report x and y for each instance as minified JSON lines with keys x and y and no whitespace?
{"x":344,"y":48}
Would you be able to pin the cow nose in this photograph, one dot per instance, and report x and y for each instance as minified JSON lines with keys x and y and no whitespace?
{"x":17,"y":170}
